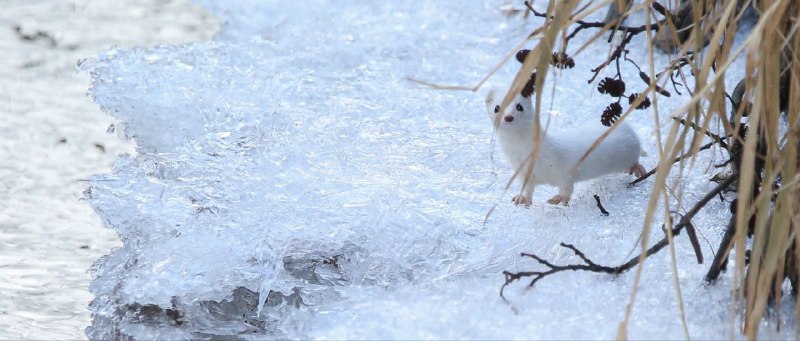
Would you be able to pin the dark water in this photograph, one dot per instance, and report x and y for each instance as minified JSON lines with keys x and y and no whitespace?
{"x":52,"y":137}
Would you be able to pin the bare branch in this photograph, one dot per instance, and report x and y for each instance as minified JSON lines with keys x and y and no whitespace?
{"x":589,"y":265}
{"x":600,"y":206}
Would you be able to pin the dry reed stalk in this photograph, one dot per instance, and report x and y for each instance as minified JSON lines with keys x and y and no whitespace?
{"x":774,"y":234}
{"x":763,"y":157}
{"x":773,"y":231}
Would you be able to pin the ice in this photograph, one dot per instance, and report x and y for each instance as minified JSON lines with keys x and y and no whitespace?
{"x":291,"y":182}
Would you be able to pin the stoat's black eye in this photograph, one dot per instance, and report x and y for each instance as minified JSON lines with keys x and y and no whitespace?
{"x":519,"y":107}
{"x":496,"y":109}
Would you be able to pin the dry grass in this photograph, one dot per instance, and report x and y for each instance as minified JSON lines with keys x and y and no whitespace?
{"x":765,"y":159}
{"x":767,"y":154}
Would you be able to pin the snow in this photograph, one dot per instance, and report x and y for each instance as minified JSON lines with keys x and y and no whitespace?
{"x":291,"y":182}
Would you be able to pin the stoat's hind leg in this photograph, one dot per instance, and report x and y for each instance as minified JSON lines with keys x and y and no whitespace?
{"x":637,"y":170}
{"x":556,"y":200}
{"x":563,"y":196}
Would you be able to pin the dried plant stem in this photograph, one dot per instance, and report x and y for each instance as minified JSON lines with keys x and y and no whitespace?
{"x":676,"y":160}
{"x":771,"y":229}
{"x":763,"y":157}
{"x":588,"y":265}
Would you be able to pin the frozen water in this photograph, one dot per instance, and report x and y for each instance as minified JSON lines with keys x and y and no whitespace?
{"x":291,"y":182}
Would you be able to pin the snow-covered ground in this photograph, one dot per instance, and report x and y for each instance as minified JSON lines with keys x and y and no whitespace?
{"x":52,"y":139}
{"x":290,"y":181}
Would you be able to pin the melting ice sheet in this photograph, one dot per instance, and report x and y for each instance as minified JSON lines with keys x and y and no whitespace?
{"x":291,"y":182}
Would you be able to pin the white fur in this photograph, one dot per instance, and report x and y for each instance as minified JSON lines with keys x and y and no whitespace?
{"x":560,"y":152}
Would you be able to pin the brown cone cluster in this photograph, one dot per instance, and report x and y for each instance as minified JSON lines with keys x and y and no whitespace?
{"x":611,"y":114}
{"x":612,"y":87}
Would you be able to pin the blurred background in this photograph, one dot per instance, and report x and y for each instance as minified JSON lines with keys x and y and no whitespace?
{"x":52,"y":139}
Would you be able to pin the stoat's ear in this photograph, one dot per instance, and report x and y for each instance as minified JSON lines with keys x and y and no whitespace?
{"x":490,"y":104}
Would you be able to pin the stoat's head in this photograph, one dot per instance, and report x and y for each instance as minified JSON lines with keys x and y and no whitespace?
{"x":519,"y":113}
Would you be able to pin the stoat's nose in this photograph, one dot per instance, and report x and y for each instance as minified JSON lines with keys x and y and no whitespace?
{"x":509,"y":118}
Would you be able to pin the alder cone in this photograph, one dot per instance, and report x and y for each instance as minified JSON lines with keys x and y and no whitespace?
{"x":612,"y":87}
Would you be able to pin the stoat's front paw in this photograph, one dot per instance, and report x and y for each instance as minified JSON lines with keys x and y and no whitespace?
{"x":559,"y":199}
{"x":637,"y":170}
{"x":522,"y":200}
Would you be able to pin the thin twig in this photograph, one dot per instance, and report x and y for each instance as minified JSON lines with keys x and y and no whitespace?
{"x":589,"y":265}
{"x":677,"y":159}
{"x":716,"y":138}
{"x":686,"y":220}
{"x":600,"y":206}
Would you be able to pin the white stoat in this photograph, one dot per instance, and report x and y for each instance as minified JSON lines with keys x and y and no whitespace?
{"x":559,"y":153}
